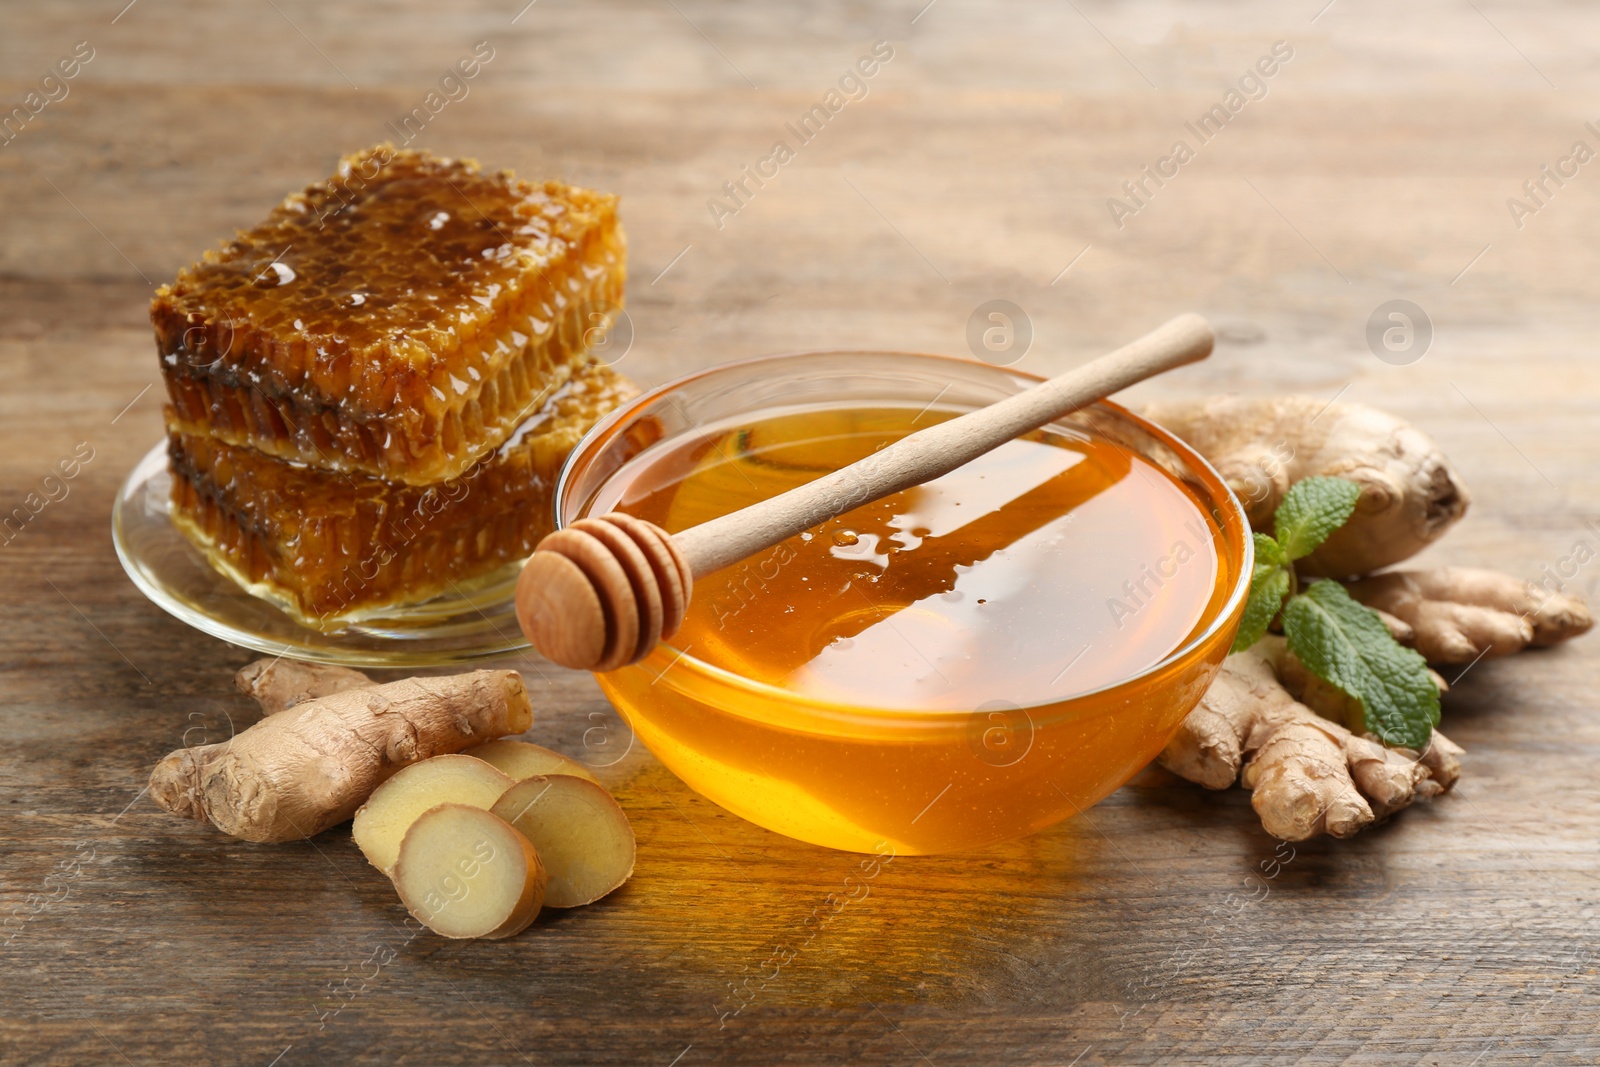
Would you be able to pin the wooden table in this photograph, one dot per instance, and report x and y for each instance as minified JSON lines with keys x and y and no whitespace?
{"x":1162,"y":927}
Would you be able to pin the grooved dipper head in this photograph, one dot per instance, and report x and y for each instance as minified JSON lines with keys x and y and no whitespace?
{"x":600,"y":593}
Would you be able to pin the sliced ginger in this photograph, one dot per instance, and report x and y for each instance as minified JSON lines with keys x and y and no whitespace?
{"x":381,"y":824}
{"x":463,"y":872}
{"x":332,"y":738}
{"x":579,"y":831}
{"x":520,"y":760}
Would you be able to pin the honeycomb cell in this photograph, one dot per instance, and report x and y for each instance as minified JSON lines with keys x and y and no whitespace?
{"x":398,"y":320}
{"x":331,"y":548}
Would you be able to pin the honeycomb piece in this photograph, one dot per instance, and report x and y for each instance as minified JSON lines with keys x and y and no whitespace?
{"x":399,"y":320}
{"x":334,"y":548}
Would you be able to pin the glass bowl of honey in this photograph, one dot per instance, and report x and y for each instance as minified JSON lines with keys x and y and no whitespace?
{"x":961,"y":663}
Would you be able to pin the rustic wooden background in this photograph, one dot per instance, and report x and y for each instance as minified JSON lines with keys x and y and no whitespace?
{"x":1164,"y":926}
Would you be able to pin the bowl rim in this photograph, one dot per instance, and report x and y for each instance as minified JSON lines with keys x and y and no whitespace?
{"x":1191,"y":455}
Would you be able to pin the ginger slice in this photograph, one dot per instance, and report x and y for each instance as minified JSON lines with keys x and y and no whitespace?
{"x":381,"y":824}
{"x":579,"y":831}
{"x":522,"y":759}
{"x":463,"y":872}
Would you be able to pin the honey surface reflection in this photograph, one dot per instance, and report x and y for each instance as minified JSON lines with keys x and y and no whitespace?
{"x":1050,"y":567}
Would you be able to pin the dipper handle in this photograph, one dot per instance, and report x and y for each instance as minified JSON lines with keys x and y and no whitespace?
{"x":600,"y":593}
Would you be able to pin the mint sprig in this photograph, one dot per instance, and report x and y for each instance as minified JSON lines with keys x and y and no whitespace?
{"x":1341,"y":641}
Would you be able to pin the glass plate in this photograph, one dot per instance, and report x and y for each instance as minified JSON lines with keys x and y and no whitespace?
{"x":480,"y":621}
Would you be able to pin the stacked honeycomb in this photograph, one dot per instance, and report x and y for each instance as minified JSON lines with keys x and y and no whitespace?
{"x":372,"y":390}
{"x":332,"y":547}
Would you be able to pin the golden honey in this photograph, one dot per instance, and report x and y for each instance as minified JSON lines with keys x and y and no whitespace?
{"x":937,"y":669}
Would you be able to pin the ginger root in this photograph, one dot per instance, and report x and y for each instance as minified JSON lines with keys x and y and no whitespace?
{"x":1410,"y":493}
{"x":463,"y":872}
{"x":276,"y":685}
{"x":581,"y":834}
{"x":279,"y":684}
{"x":1307,"y":774}
{"x":298,"y":772}
{"x":1457,"y":614}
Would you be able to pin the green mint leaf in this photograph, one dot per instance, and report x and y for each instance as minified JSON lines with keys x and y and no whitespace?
{"x":1345,"y":644}
{"x":1268,"y":552}
{"x":1269,"y":584}
{"x":1311,"y":510}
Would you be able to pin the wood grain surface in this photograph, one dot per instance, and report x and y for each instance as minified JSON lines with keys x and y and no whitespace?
{"x":1161,"y":927}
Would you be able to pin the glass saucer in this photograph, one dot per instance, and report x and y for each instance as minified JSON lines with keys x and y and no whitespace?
{"x":478,"y":621}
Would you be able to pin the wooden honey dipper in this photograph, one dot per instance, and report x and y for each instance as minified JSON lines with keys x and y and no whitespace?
{"x":600,"y":593}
